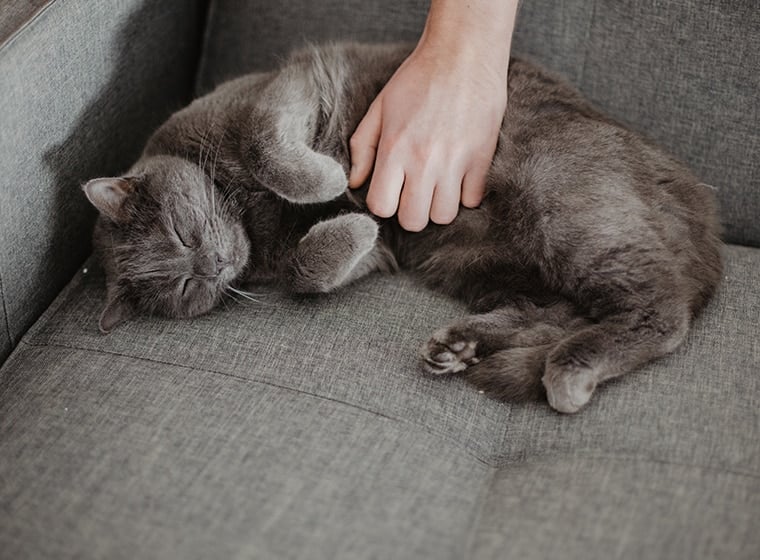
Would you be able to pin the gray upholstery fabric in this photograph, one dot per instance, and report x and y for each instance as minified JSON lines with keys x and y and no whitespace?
{"x":253,"y":35}
{"x":16,"y":14}
{"x":82,"y":86}
{"x":305,"y":429}
{"x":6,"y":344}
{"x":684,"y":72}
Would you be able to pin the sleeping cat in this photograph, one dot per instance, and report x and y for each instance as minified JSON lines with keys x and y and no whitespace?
{"x":589,"y":256}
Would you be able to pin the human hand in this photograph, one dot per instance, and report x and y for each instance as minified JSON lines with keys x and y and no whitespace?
{"x":432,"y":131}
{"x":431,"y":135}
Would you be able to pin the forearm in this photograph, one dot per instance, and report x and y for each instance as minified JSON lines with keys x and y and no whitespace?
{"x":471,"y":29}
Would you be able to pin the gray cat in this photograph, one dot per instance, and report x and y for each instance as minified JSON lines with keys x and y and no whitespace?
{"x":589,"y":256}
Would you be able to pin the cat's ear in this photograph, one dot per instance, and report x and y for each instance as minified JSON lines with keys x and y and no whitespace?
{"x":108,"y":194}
{"x":115,"y":313}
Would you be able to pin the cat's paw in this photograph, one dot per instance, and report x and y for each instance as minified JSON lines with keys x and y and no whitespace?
{"x":448,"y":351}
{"x":332,"y":182}
{"x":319,"y":179}
{"x":328,"y":255}
{"x":569,"y":388}
{"x":359,"y":230}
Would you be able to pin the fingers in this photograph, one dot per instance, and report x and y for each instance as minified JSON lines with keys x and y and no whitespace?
{"x":474,"y":186}
{"x":363,"y":146}
{"x":445,"y":203}
{"x":385,"y":187}
{"x":415,"y":203}
{"x":418,"y":195}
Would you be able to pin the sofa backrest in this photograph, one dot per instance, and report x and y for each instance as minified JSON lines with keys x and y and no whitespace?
{"x":82,"y":86}
{"x":684,"y":72}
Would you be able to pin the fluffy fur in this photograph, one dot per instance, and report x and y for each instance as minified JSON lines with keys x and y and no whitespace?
{"x":590,"y":255}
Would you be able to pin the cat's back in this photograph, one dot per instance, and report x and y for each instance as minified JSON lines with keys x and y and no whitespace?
{"x":207,"y":119}
{"x":571,"y":188}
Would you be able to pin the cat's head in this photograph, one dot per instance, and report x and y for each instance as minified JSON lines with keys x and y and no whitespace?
{"x":169,"y":243}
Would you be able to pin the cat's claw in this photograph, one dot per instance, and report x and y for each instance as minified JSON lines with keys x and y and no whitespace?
{"x":445,"y":354}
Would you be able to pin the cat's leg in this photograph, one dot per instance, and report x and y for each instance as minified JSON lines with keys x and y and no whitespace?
{"x":285,"y":123}
{"x":336,"y":252}
{"x":502,"y":352}
{"x":641,"y":307}
{"x":619,"y":343}
{"x":283,"y":162}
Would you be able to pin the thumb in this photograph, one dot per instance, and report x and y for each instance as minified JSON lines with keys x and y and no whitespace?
{"x":363,"y":145}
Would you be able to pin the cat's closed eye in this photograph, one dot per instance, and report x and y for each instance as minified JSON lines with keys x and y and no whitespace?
{"x":182,"y":240}
{"x":185,"y":284}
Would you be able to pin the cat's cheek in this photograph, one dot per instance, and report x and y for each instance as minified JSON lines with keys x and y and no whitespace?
{"x":241,"y":252}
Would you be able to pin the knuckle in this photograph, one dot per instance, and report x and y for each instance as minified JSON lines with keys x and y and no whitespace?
{"x":355,"y":142}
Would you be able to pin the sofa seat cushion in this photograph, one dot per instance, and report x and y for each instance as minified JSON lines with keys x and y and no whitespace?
{"x":305,"y":429}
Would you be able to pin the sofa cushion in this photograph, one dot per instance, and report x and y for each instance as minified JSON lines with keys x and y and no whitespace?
{"x":305,"y":429}
{"x":686,"y":73}
{"x":83,"y":85}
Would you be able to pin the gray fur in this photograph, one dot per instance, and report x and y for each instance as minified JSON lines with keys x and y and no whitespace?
{"x":590,"y":255}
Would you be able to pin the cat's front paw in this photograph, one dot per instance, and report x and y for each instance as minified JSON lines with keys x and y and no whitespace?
{"x":329,"y":255}
{"x":332,"y":183}
{"x":448,"y":351}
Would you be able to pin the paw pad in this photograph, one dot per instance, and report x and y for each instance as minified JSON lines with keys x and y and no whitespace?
{"x":447,"y":353}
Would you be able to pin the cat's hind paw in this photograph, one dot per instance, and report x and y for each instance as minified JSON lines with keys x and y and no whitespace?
{"x":569,"y":389}
{"x":447,"y":353}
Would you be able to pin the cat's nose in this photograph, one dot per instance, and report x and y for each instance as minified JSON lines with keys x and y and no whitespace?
{"x":211,"y":265}
{"x":221,"y":263}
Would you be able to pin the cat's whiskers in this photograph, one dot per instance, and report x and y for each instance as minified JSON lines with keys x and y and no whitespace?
{"x":245,"y":295}
{"x":224,"y":301}
{"x":229,"y":202}
{"x":226,"y":292}
{"x":202,"y":151}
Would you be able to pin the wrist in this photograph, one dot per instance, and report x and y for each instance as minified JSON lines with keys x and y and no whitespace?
{"x":477,"y":31}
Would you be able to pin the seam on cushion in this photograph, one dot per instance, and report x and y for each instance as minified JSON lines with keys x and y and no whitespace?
{"x":435,"y":433}
{"x":481,"y":506}
{"x":719,"y":470}
{"x":5,"y":313}
{"x":497,"y":463}
{"x":60,"y":300}
{"x":592,"y":455}
{"x":28,"y":23}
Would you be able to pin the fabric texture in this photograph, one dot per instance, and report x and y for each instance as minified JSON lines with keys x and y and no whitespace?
{"x":306,"y":429}
{"x":685,"y":72}
{"x":16,"y":14}
{"x":254,"y":35}
{"x":83,"y":85}
{"x":6,"y":344}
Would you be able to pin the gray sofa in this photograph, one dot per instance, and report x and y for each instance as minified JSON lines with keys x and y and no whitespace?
{"x":305,"y":429}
